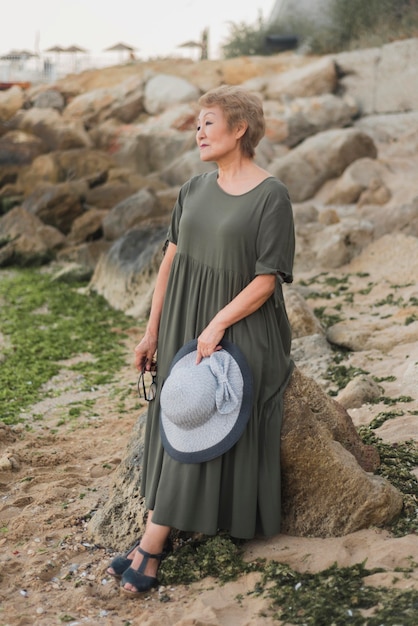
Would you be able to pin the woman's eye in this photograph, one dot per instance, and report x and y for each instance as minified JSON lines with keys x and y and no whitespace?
{"x":197,"y":129}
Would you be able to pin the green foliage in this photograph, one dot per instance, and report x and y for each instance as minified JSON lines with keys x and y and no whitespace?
{"x":246,"y":39}
{"x":45,"y":322}
{"x":351,"y":24}
{"x":397,"y":462}
{"x":337,"y":595}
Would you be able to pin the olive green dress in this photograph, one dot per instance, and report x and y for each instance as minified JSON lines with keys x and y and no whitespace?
{"x":223,"y":242}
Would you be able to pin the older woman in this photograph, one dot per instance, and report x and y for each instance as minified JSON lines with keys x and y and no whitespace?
{"x":230,"y":247}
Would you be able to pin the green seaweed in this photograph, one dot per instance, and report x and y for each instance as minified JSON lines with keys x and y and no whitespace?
{"x":335,"y":596}
{"x":341,"y":375}
{"x":397,"y":462}
{"x":46,"y":322}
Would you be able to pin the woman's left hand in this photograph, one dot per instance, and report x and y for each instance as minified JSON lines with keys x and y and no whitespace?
{"x":208,"y":341}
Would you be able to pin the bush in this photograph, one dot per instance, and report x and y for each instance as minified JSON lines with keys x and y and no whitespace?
{"x":353,"y":24}
{"x":246,"y":39}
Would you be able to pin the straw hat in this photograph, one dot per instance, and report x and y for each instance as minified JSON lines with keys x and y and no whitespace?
{"x":205,"y":407}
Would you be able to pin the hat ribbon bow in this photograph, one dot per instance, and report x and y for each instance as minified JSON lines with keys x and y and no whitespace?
{"x":225,"y":397}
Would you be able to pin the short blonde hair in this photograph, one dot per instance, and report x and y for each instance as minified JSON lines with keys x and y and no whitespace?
{"x":239,"y":105}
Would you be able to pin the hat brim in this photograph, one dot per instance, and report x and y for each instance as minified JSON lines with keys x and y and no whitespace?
{"x":213,"y":439}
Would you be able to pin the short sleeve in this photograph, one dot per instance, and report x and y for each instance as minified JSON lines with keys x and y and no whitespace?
{"x":173,"y":229}
{"x":275,"y":244}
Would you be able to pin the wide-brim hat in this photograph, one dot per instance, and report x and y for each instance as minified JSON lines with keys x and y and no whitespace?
{"x":205,"y":407}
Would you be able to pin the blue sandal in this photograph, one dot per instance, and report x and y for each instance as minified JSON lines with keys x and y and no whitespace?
{"x":121,"y":563}
{"x":137,"y":578}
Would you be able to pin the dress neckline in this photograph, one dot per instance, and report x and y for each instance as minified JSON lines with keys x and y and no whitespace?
{"x":239,"y":195}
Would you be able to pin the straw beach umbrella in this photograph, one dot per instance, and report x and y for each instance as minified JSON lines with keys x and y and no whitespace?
{"x":121,"y":48}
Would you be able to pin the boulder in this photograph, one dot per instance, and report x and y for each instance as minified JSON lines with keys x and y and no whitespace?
{"x":129,"y":213}
{"x":338,"y":243}
{"x":55,"y":132}
{"x":109,"y":194}
{"x":123,"y":101}
{"x":315,"y":78}
{"x":140,"y":147}
{"x":364,"y":175}
{"x":320,"y":158}
{"x":49,"y":99}
{"x":60,"y":166}
{"x":313,"y":354}
{"x":125,"y":275}
{"x":301,"y":317}
{"x":57,"y":205}
{"x":320,"y":451}
{"x":164,"y":90}
{"x":382,"y":80}
{"x":382,"y":334}
{"x":43,"y":169}
{"x":361,"y":390}
{"x":26,"y":240}
{"x":86,"y":254}
{"x":386,"y":220}
{"x":87,"y":227}
{"x":11,"y":100}
{"x":19,"y":148}
{"x":184,"y":167}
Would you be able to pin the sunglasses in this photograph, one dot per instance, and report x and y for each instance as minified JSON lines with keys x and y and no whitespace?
{"x":147,"y":388}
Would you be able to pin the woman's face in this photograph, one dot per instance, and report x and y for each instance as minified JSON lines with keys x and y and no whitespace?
{"x":215,"y":140}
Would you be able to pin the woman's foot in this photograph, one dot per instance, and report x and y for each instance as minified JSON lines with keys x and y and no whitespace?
{"x":142,"y":574}
{"x":121,"y":563}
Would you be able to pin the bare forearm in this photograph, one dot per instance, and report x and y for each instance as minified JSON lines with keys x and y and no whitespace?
{"x":247,"y":301}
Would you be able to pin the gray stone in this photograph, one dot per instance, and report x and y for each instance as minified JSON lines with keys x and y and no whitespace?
{"x":320,"y":451}
{"x":361,"y":390}
{"x":129,"y":213}
{"x":26,"y":239}
{"x":126,"y":275}
{"x":163,"y":90}
{"x":318,"y":159}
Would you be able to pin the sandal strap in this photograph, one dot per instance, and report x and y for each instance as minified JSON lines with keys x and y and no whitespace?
{"x":147,"y":556}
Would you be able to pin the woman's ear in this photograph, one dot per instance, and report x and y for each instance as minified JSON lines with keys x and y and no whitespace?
{"x":241,"y":128}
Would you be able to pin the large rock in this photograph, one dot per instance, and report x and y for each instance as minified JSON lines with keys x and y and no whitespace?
{"x":129,"y":213}
{"x":184,"y":167}
{"x":301,"y":317}
{"x":57,"y":205}
{"x":92,"y":166}
{"x":19,"y":148}
{"x":313,"y":79}
{"x":125,"y":276}
{"x":338,"y":243}
{"x":26,"y":240}
{"x":362,"y":175}
{"x":141,"y":147}
{"x":292,"y":122}
{"x":49,"y":99}
{"x":11,"y":100}
{"x":55,"y":132}
{"x":124,"y":102}
{"x":318,"y":159}
{"x":320,"y":451}
{"x":382,"y":80}
{"x":163,"y":90}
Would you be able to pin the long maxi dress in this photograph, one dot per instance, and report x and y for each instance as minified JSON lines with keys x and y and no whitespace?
{"x":223,"y":242}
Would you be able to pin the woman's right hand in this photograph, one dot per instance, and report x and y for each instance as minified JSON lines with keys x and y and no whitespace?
{"x":144,"y":351}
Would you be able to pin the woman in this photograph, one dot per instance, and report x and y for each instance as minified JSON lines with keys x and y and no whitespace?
{"x":230,"y":248}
